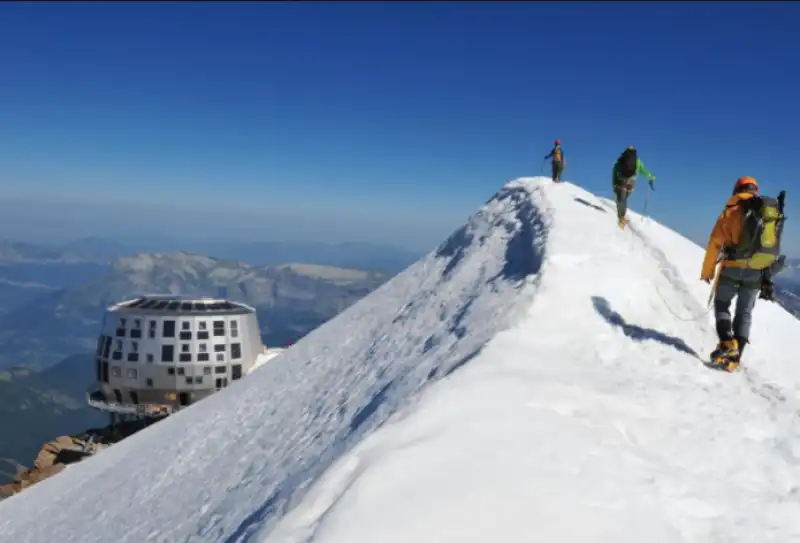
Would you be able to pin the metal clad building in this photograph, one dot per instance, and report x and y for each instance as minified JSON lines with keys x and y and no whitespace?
{"x":166,"y":352}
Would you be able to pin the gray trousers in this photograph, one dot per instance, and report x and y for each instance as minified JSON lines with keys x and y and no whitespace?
{"x":744,"y":285}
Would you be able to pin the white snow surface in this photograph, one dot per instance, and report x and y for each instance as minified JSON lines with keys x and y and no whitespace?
{"x":537,"y":378}
{"x":268,"y":355}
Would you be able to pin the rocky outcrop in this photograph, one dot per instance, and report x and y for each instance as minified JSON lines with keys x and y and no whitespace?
{"x":56,"y":455}
{"x":53,"y":458}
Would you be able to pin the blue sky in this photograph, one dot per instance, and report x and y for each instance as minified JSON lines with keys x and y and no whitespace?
{"x":380,"y":121}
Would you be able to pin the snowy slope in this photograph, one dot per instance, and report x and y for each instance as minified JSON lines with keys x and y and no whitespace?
{"x":583,"y":413}
{"x":268,"y":355}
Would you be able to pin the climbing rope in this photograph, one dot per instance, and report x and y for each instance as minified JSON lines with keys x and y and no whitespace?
{"x":653,"y":283}
{"x":674,"y":314}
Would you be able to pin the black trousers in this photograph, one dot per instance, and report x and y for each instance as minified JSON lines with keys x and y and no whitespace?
{"x":557,"y":169}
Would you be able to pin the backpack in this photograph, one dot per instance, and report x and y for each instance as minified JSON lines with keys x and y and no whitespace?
{"x":626,"y":163}
{"x":558,"y":156}
{"x":762,"y":226}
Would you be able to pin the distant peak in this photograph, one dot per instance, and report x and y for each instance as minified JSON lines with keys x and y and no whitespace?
{"x":150,"y":261}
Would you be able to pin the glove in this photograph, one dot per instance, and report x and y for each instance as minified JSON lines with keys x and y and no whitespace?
{"x":653,"y":180}
{"x":767,"y":291}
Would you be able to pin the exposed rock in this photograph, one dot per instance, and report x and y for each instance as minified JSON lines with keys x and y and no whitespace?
{"x":56,"y":455}
{"x":51,"y":451}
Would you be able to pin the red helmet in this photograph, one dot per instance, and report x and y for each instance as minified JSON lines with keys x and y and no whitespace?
{"x":558,"y":142}
{"x":746,"y":184}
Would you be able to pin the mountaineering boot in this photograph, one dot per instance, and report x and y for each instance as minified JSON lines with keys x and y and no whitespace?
{"x":741,"y":343}
{"x":731,"y":365}
{"x":622,"y":222}
{"x":726,"y":355}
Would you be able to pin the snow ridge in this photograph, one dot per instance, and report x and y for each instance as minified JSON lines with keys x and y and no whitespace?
{"x":237,"y":461}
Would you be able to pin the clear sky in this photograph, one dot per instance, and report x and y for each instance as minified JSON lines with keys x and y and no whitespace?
{"x":381,"y":121}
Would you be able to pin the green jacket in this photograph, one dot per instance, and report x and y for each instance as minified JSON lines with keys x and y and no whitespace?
{"x":640,"y":169}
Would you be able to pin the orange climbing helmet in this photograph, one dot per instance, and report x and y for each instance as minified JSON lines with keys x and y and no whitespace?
{"x":746,"y":184}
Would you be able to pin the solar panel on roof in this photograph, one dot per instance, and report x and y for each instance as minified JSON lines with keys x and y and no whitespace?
{"x":177,"y":303}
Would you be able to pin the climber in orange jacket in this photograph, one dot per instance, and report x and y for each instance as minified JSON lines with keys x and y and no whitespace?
{"x":745,"y":268}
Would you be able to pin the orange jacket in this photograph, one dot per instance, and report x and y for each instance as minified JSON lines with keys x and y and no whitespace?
{"x":725,"y":233}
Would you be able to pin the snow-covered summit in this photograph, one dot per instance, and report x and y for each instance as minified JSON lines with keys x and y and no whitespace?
{"x":536,"y":378}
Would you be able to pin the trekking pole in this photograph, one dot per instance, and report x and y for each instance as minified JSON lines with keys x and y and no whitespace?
{"x":646,"y":201}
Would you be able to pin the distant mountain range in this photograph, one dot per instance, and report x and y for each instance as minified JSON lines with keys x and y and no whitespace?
{"x":787,"y":287}
{"x":291,"y":300}
{"x":369,"y":256}
{"x":792,"y":270}
{"x":28,"y":270}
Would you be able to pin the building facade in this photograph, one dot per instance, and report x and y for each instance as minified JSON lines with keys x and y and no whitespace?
{"x":161,"y":353}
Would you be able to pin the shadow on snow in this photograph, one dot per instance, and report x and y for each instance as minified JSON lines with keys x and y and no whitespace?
{"x":638,"y":333}
{"x":591,"y":205}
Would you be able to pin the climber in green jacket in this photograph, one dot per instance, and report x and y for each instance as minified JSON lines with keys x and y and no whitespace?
{"x":623,"y":179}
